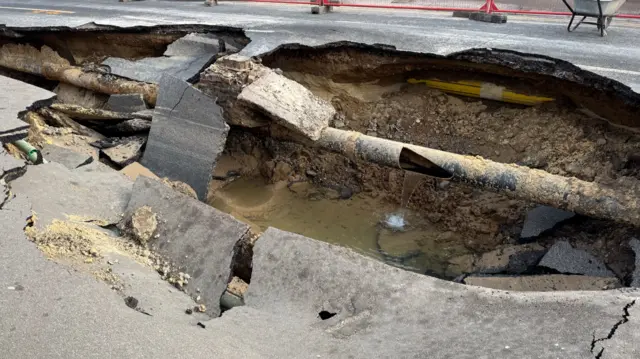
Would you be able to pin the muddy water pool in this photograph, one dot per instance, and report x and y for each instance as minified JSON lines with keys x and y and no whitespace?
{"x":357,"y":222}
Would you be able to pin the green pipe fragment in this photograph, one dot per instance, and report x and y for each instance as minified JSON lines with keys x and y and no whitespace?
{"x":33,"y":154}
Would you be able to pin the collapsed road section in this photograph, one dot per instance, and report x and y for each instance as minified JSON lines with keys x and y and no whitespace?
{"x":489,"y":168}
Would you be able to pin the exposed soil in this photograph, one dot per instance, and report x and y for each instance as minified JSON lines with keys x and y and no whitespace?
{"x":555,"y":137}
{"x":368,"y":87}
{"x":75,"y":242}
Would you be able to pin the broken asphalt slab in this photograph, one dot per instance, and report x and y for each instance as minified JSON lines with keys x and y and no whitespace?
{"x":543,"y":219}
{"x":185,"y":58}
{"x":126,"y":103}
{"x":91,"y":192}
{"x":381,"y":312}
{"x":193,"y":235}
{"x":127,"y":151}
{"x":50,"y":311}
{"x":565,"y":259}
{"x":155,"y":296}
{"x":69,"y":158}
{"x":16,"y":98}
{"x":187,"y":135}
{"x":385,"y":312}
{"x":9,"y":164}
{"x":290,"y":104}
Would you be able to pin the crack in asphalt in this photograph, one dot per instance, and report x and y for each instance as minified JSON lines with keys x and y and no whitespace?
{"x":612,"y":332}
{"x":179,"y":100}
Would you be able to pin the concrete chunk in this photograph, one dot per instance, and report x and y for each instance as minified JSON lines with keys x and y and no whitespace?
{"x":542,"y":219}
{"x":15,"y":98}
{"x":385,"y":312}
{"x":127,"y":151}
{"x":92,"y":192}
{"x":184,"y":59}
{"x":193,"y":235}
{"x":568,"y":260}
{"x":187,"y":135}
{"x":68,"y":158}
{"x":126,"y":103}
{"x":289,"y":104}
{"x":544,"y":283}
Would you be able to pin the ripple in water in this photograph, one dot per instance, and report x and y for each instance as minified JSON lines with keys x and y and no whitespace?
{"x":395,"y":221}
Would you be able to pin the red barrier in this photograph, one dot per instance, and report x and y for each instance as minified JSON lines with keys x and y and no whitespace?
{"x":630,"y":10}
{"x":536,"y":7}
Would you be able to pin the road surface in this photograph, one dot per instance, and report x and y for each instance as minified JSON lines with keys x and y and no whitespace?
{"x":616,"y":56}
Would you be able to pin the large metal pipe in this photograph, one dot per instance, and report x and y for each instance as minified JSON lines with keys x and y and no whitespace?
{"x":47,"y":63}
{"x":620,"y":204}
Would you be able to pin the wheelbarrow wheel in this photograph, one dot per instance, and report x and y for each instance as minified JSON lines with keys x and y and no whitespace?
{"x":608,"y":22}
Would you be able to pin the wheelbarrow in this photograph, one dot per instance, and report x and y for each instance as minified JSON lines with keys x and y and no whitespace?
{"x":603,"y":10}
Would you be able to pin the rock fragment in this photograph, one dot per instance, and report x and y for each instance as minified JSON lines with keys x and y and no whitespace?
{"x":542,"y":219}
{"x":144,"y":223}
{"x":565,"y":259}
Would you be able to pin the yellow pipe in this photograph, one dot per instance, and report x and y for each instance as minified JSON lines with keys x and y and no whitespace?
{"x":484,"y":90}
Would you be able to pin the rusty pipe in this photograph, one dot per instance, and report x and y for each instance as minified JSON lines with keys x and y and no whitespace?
{"x":620,"y":204}
{"x":47,"y":63}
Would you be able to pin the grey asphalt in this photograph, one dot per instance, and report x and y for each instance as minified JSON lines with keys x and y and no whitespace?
{"x":616,"y":56}
{"x":48,"y":310}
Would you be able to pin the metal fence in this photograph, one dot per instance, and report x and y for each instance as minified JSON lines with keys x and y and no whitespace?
{"x":631,"y":9}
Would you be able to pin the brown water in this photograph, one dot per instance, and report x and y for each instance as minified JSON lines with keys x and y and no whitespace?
{"x":355,"y":223}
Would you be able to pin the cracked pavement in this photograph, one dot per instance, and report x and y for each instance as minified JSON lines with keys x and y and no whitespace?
{"x":616,"y":56}
{"x":49,"y":310}
{"x":598,"y":346}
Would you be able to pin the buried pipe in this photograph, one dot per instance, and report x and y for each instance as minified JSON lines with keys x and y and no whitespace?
{"x":47,"y":63}
{"x":101,"y":83}
{"x":620,"y":204}
{"x":30,"y":152}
